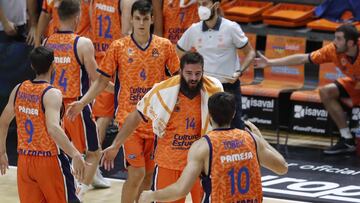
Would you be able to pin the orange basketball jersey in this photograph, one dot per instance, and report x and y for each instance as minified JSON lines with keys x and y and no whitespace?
{"x":137,"y":70}
{"x":106,"y":24}
{"x":70,"y":76}
{"x":183,"y":128}
{"x":234,"y":171}
{"x":33,"y":138}
{"x":176,"y":20}
{"x":349,"y":67}
{"x":50,"y":7}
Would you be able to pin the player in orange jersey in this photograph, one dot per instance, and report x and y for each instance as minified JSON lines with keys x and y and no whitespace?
{"x":187,"y":121}
{"x":49,"y":20}
{"x":344,"y":53}
{"x":75,"y":67}
{"x":222,"y":158}
{"x":105,"y":27}
{"x":139,"y":61}
{"x":173,"y":17}
{"x":43,"y":172}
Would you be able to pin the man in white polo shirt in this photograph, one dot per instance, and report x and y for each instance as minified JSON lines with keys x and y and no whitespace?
{"x":217,"y":40}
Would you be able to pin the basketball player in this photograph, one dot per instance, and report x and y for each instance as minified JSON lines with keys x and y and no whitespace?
{"x":105,"y":27}
{"x":188,"y":120}
{"x":43,"y":173}
{"x":227,"y":160}
{"x":173,"y":17}
{"x":344,"y":53}
{"x":139,"y":61}
{"x":75,"y":67}
{"x":49,"y":20}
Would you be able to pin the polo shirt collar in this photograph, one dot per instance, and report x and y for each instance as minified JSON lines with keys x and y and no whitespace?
{"x":216,"y":27}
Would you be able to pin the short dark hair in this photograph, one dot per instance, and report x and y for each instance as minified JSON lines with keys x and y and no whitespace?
{"x":143,"y":6}
{"x":68,"y":9}
{"x":191,"y":58}
{"x":222,"y":106}
{"x":41,"y":59}
{"x":350,"y":32}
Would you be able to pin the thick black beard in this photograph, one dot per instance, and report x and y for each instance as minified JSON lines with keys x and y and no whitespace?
{"x":189,"y":92}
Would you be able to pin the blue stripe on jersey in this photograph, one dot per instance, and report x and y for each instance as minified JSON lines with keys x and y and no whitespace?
{"x":85,"y":83}
{"x":156,"y":171}
{"x":42,"y":97}
{"x":103,"y":73}
{"x":117,"y":88}
{"x":255,"y":143}
{"x":17,"y":90}
{"x":75,"y":50}
{"x":69,"y":178}
{"x":206,"y":178}
{"x":90,"y":130}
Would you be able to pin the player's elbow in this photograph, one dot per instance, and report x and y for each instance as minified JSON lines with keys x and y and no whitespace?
{"x":282,"y":168}
{"x":252,"y":54}
{"x":52,"y":129}
{"x":183,"y":191}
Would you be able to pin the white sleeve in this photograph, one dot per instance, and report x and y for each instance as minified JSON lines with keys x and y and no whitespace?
{"x":186,"y":41}
{"x":238,"y":36}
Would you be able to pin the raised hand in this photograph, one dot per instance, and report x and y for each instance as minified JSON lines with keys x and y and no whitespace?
{"x":261,"y":61}
{"x":74,"y":109}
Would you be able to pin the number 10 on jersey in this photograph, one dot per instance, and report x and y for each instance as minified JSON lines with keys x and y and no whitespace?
{"x":236,"y":178}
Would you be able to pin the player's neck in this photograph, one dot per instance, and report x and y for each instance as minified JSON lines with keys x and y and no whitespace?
{"x":67,"y":26}
{"x":216,"y":126}
{"x":141,"y":39}
{"x":43,"y":77}
{"x":352,"y":52}
{"x":211,"y":23}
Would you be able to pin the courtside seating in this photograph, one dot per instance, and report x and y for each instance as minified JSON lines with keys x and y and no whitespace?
{"x":245,"y":11}
{"x":308,"y":113}
{"x":264,"y":102}
{"x":288,"y":15}
{"x":327,"y":25}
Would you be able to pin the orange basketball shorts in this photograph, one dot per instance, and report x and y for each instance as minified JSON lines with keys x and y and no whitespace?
{"x":164,"y":177}
{"x":83,"y":130}
{"x":352,"y":88}
{"x":138,"y":152}
{"x":45,"y":179}
{"x":104,"y":105}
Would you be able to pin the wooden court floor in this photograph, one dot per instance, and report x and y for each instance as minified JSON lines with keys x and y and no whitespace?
{"x":8,"y":192}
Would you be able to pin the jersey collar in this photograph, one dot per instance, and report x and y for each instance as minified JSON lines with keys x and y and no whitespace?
{"x":143,"y":49}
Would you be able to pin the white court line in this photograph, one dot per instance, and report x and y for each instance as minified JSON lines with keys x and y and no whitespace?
{"x":265,"y":198}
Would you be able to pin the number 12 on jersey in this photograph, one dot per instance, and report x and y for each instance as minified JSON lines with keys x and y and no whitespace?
{"x":236,"y":178}
{"x":101,"y":20}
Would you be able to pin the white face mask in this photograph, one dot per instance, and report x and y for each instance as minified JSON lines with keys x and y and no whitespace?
{"x":204,"y":13}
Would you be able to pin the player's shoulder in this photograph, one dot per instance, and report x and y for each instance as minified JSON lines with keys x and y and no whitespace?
{"x":53,"y":93}
{"x":330,"y":47}
{"x":119,"y":43}
{"x":161,"y":40}
{"x":200,"y":147}
{"x":84,"y":40}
